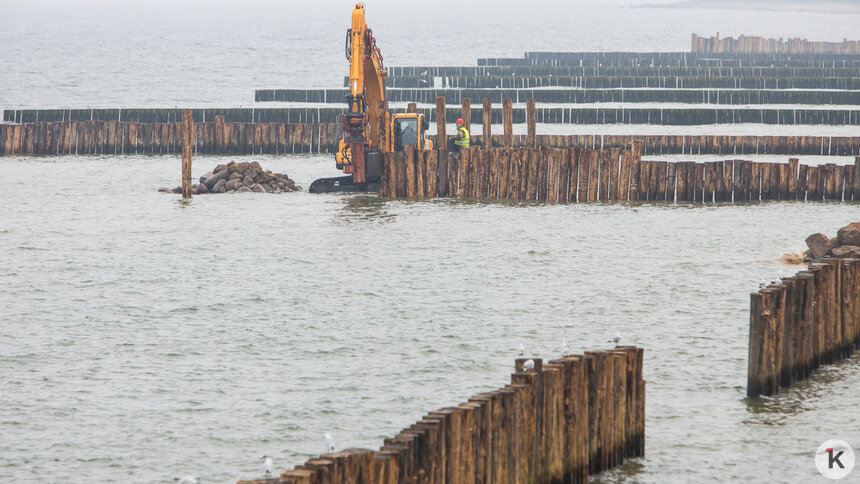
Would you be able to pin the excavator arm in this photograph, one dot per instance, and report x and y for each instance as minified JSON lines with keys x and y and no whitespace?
{"x":365,"y":121}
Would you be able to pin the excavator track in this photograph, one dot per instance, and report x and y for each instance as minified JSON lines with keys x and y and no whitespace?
{"x":341,"y":184}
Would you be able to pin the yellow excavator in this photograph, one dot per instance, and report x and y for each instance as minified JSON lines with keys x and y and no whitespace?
{"x":369,"y":128}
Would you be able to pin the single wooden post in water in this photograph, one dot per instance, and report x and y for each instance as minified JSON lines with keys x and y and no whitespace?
{"x":466,"y":113}
{"x":857,"y":178}
{"x":441,"y":138}
{"x":531,"y":120}
{"x":187,"y":145}
{"x":487,"y":122}
{"x":508,"y":121}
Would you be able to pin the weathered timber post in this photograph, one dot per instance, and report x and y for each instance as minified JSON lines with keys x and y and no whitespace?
{"x":857,"y":178}
{"x":187,"y":145}
{"x":412,"y":108}
{"x":466,"y":113}
{"x":755,"y":375}
{"x":531,"y":120}
{"x":441,"y":138}
{"x":220,"y":136}
{"x":488,"y":121}
{"x":508,"y":120}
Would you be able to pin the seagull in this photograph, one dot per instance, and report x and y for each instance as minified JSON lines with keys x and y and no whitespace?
{"x":187,"y":480}
{"x":329,"y":442}
{"x":267,"y":466}
{"x":762,"y":285}
{"x":564,"y":349}
{"x":615,"y":339}
{"x":529,"y":365}
{"x":521,"y":350}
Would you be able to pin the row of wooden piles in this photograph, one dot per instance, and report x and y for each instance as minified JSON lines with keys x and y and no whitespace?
{"x":699,"y":144}
{"x":584,"y":175}
{"x":708,"y":59}
{"x":803,"y":322}
{"x":641,"y":69}
{"x":581,"y":96}
{"x":759,"y":45}
{"x":628,"y":82}
{"x":114,"y":137}
{"x":560,"y":422}
{"x":111,"y":137}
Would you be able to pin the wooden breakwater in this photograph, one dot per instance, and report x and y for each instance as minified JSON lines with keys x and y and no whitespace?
{"x":584,"y":175}
{"x":559,"y":422}
{"x":759,"y":45}
{"x":697,"y":144}
{"x":115,"y":138}
{"x":680,"y":59}
{"x":620,"y":82}
{"x":803,"y":322}
{"x":579,"y":96}
{"x":644,"y":70}
{"x":112,"y":137}
{"x":685,"y":116}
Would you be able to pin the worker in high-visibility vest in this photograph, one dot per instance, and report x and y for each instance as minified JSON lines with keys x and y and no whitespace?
{"x":462,"y":139}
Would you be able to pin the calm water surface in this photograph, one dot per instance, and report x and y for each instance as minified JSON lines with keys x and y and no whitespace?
{"x":144,"y":338}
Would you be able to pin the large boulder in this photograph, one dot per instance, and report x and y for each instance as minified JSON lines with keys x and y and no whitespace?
{"x":201,"y":188}
{"x":217,"y":177}
{"x":233,"y":184}
{"x":819,"y":245}
{"x":206,"y":177}
{"x":850,"y":234}
{"x":243,"y":189}
{"x":218,"y":168}
{"x":258,"y":188}
{"x":846,"y":251}
{"x":216,"y":188}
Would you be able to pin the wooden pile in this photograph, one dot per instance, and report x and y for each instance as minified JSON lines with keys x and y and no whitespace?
{"x":559,"y":421}
{"x":802,"y":322}
{"x":239,"y":178}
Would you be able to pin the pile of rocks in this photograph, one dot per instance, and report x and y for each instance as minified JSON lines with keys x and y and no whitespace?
{"x":846,"y":244}
{"x":241,"y":177}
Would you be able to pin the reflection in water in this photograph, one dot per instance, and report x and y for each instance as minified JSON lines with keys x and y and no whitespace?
{"x":363,"y":209}
{"x":803,"y":396}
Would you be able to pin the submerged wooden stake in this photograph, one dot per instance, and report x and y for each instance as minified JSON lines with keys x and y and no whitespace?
{"x":187,"y":145}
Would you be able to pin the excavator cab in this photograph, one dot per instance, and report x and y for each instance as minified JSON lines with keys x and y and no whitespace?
{"x":408,"y":129}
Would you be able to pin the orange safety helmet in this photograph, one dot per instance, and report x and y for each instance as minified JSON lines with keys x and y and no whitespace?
{"x":460,"y":121}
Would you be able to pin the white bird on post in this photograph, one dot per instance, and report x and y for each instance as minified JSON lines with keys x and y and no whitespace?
{"x":529,"y":365}
{"x":615,"y":339}
{"x":521,"y":350}
{"x":565,"y":351}
{"x":267,"y":465}
{"x":329,"y":442}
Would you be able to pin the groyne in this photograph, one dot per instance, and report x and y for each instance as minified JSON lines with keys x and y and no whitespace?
{"x":574,"y":175}
{"x":800,"y":323}
{"x":677,"y":59}
{"x":681,"y":116}
{"x":557,"y":421}
{"x":112,"y":137}
{"x":759,"y":45}
{"x":125,"y":138}
{"x":579,"y":96}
